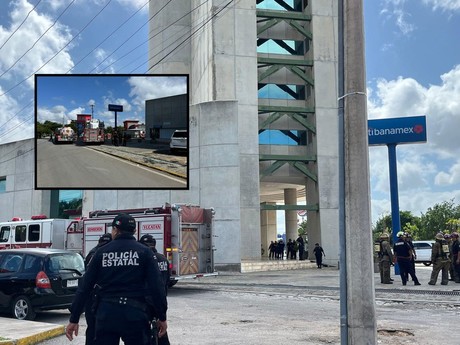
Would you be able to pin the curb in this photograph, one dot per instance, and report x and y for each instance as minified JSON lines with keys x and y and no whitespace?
{"x":36,"y":338}
{"x":143,"y":164}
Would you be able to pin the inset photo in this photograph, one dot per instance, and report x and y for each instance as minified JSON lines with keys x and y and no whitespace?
{"x":111,"y":131}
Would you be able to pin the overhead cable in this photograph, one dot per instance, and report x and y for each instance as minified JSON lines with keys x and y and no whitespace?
{"x":19,"y":26}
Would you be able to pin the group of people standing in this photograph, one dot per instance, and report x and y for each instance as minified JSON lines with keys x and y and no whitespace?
{"x":276,"y":249}
{"x":123,"y":291}
{"x":444,"y":257}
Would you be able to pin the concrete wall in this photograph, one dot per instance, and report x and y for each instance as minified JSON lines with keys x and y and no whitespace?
{"x":20,"y":199}
{"x":325,"y":55}
{"x":222,"y":63}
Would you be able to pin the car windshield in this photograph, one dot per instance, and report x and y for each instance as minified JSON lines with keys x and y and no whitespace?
{"x":180,"y":135}
{"x":69,"y":262}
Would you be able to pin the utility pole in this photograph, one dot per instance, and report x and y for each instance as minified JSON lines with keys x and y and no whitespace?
{"x":360,"y":319}
{"x":92,"y":110}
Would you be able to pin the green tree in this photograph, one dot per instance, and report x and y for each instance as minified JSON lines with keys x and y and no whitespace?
{"x":438,"y":218}
{"x":408,"y":220}
{"x":302,"y":229}
{"x":73,"y":204}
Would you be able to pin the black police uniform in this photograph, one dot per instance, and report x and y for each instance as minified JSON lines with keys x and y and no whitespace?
{"x":125,"y":273}
{"x":90,"y":333}
{"x":403,"y":253}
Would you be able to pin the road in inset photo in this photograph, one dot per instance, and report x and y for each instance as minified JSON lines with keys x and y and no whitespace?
{"x":73,"y":166}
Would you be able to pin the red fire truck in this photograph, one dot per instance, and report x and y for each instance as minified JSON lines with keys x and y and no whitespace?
{"x":91,"y":132}
{"x":184,"y":234}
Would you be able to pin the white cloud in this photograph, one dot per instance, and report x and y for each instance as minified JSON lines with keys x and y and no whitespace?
{"x":394,"y":10}
{"x":422,"y":168}
{"x":25,"y":38}
{"x":444,"y":5}
{"x":145,"y":88}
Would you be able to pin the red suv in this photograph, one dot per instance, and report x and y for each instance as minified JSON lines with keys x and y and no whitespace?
{"x":37,"y":279}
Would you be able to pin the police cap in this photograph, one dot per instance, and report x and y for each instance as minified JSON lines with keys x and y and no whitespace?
{"x":124,"y":222}
{"x":400,"y":234}
{"x":148,"y":240}
{"x":104,"y":239}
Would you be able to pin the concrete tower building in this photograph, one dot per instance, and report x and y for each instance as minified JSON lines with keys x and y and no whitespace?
{"x":263,"y":114}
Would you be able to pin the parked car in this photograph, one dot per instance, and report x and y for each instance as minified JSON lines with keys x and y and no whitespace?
{"x":179,"y":140}
{"x":423,"y":251}
{"x":37,"y":279}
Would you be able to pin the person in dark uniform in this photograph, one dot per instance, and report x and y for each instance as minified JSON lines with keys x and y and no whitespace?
{"x":126,"y":278}
{"x":319,"y":252}
{"x":403,"y":255}
{"x":163,"y":266}
{"x":89,"y":314}
{"x":440,"y":260}
{"x":408,"y":239}
{"x":301,"y":243}
{"x":455,"y":256}
{"x":163,"y":263}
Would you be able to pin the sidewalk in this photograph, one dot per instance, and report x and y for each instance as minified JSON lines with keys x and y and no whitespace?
{"x":19,"y":332}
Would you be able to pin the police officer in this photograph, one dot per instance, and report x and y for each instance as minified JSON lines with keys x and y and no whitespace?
{"x":455,"y":256}
{"x":89,"y":313}
{"x":125,"y":275}
{"x":163,"y":266}
{"x":385,"y":255}
{"x":403,"y":254}
{"x":163,"y":263}
{"x":440,"y":260}
{"x":103,"y":240}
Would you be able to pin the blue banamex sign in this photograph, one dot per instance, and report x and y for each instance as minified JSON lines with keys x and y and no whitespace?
{"x":399,"y":130}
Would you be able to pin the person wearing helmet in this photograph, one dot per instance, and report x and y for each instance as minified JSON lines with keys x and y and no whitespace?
{"x":403,"y":254}
{"x":90,"y":332}
{"x":440,"y":260}
{"x":163,"y":266}
{"x":385,"y":256}
{"x":455,"y":257}
{"x":126,"y":277}
{"x":408,"y":239}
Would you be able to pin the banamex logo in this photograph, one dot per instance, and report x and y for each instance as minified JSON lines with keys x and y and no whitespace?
{"x":418,"y":129}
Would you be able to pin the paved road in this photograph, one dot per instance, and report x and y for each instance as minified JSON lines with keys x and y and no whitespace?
{"x":71,"y":166}
{"x":297,"y":307}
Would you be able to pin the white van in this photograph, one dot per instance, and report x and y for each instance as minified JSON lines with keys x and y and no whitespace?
{"x":179,"y":141}
{"x":423,"y":251}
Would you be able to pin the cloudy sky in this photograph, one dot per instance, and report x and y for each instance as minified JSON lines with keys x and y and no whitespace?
{"x":412,"y":61}
{"x":60,"y":98}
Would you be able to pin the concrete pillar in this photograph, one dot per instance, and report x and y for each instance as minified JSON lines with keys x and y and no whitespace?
{"x":359,"y":263}
{"x":268,"y":229}
{"x":290,"y":219}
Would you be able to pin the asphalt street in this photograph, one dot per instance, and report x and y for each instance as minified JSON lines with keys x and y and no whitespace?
{"x":298,"y":307}
{"x":72,"y":166}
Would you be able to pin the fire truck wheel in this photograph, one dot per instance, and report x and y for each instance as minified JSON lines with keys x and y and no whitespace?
{"x":21,"y":308}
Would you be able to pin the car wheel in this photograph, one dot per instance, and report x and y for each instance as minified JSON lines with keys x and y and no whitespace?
{"x":427,"y":263}
{"x":22,"y":308}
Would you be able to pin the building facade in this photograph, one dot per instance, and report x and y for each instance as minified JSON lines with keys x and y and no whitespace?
{"x":263,"y":123}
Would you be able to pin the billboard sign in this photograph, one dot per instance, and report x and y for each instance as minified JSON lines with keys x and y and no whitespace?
{"x":400,"y":130}
{"x":115,"y":107}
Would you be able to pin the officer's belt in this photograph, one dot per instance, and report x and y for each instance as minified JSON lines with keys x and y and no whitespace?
{"x":132,"y":302}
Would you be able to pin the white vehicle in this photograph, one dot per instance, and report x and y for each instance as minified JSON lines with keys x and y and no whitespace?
{"x":184,"y":234}
{"x":423,"y":251}
{"x":37,"y":232}
{"x":179,"y":141}
{"x":64,"y":135}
